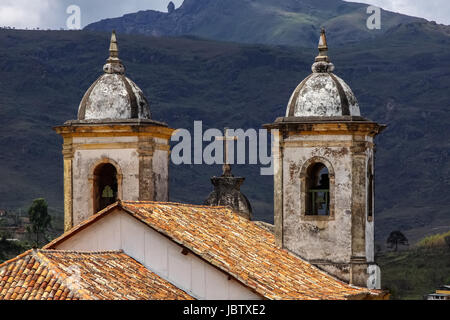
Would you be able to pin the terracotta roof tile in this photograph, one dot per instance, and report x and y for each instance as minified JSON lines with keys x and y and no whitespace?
{"x":239,"y":247}
{"x":242,"y":249}
{"x":61,"y":275}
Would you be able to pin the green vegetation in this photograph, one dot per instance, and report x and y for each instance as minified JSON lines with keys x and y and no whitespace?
{"x":441,"y":240}
{"x":10,"y":248}
{"x":16,"y":229}
{"x":395,"y":239}
{"x":413,"y":273}
{"x":40,"y":222}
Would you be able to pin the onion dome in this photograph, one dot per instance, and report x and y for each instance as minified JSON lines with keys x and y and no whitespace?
{"x":113,"y":96}
{"x":323,"y":94}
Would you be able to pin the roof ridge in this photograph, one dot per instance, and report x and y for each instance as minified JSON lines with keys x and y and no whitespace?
{"x":20,"y":256}
{"x":60,"y":275}
{"x":176,"y":203}
{"x":80,"y":251}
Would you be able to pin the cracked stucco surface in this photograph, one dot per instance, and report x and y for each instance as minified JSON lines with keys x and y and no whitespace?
{"x":319,"y":96}
{"x":109,"y":99}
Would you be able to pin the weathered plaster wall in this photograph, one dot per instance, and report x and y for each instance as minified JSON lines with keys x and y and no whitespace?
{"x":113,"y":96}
{"x":87,"y":158}
{"x":120,"y":231}
{"x":318,"y":239}
{"x":319,"y":95}
{"x":370,"y":225}
{"x":161,"y":172}
{"x":342,"y":243}
{"x":142,"y":164}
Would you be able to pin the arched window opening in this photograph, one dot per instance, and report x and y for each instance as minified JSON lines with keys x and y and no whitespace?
{"x":318,"y":190}
{"x":105,"y":186}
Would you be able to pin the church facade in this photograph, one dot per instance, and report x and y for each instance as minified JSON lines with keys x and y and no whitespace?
{"x":118,"y":215}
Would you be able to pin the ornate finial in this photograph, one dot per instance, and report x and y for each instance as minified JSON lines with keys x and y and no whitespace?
{"x":323,"y":47}
{"x":113,"y":47}
{"x":323,"y":64}
{"x":113,"y":64}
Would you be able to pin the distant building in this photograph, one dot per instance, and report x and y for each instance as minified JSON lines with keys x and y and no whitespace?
{"x":443,"y":293}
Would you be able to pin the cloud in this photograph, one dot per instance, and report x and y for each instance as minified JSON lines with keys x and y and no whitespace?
{"x":52,"y":13}
{"x":23,"y":13}
{"x":437,"y":10}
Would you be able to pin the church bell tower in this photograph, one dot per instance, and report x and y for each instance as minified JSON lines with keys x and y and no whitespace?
{"x":114,"y":150}
{"x":323,"y":182}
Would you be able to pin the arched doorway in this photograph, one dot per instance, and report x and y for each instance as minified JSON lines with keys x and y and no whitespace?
{"x":105,"y":186}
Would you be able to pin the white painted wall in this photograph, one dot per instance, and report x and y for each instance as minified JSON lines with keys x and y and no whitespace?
{"x":120,"y":231}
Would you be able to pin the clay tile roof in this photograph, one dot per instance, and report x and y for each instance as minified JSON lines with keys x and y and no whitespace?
{"x":69,"y":275}
{"x":244,"y":250}
{"x":241,"y":248}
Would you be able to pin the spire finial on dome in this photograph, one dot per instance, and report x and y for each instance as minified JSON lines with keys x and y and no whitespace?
{"x":113,"y":47}
{"x":113,"y":64}
{"x":322,"y":63}
{"x":323,"y":47}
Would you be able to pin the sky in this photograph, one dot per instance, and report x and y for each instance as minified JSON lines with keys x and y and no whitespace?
{"x":51,"y":14}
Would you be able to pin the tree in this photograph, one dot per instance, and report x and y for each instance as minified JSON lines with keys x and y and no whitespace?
{"x":447,"y":240}
{"x":396,"y":238}
{"x":40,"y":220}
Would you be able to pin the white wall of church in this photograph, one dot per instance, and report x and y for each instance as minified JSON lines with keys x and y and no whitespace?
{"x":120,"y":231}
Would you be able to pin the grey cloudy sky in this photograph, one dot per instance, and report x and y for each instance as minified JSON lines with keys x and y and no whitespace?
{"x":52,"y":13}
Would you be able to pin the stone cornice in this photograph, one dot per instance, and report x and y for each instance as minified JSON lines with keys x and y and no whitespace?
{"x":79,"y":129}
{"x":326,"y":126}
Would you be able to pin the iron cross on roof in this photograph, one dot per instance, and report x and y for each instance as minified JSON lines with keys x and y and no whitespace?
{"x":226,"y":156}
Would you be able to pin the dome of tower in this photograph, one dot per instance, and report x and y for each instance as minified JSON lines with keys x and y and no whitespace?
{"x":323,"y":94}
{"x":113,"y":96}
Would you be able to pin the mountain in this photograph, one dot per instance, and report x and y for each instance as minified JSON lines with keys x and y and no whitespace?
{"x":276,"y":22}
{"x":402,"y":79}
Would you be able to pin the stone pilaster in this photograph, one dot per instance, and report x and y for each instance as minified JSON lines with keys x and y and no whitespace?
{"x":358,"y":260}
{"x":146,"y":181}
{"x":278,"y":186}
{"x":68,"y":190}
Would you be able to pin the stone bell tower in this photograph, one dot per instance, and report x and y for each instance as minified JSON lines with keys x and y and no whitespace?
{"x":114,"y":150}
{"x":324,"y":168}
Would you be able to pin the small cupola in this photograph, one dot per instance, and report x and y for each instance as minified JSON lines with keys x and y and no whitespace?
{"x":323,"y":94}
{"x":113,"y":96}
